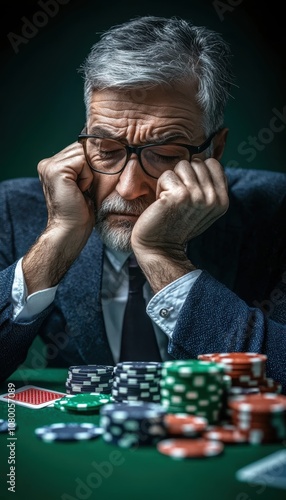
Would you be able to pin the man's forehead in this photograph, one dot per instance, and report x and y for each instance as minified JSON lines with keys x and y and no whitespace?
{"x":158,"y":112}
{"x":138,"y":97}
{"x":115,"y":134}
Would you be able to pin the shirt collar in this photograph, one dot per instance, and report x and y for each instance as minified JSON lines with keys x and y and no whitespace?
{"x":116,"y":258}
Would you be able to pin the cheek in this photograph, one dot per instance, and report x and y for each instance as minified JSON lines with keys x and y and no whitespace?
{"x":103,"y":186}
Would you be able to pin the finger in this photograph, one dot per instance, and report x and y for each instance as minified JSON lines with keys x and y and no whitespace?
{"x":211,"y":180}
{"x":85,"y":178}
{"x":219,"y":180}
{"x":217,"y":173}
{"x":70,"y":164}
{"x":170,"y":184}
{"x":197,"y":180}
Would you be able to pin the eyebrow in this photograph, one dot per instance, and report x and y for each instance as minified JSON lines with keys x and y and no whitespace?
{"x":103,"y":133}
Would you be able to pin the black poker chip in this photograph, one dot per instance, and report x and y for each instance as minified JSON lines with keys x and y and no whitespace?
{"x":68,"y":432}
{"x":94,"y":369}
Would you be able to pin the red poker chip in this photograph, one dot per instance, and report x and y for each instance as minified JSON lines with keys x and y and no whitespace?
{"x":190,"y":448}
{"x":242,"y":419}
{"x":270,"y":385}
{"x":184,"y":424}
{"x":235,"y":357}
{"x":263,"y":430}
{"x":244,"y":379}
{"x":253,"y":370}
{"x":257,"y":436}
{"x":259,"y":403}
{"x":225,"y":433}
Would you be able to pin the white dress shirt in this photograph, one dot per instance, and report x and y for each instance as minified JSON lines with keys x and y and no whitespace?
{"x":163,"y":307}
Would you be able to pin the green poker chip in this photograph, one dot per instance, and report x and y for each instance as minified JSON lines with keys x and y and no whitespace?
{"x":82,"y":402}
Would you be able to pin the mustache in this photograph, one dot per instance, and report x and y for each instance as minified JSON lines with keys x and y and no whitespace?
{"x":116,"y":204}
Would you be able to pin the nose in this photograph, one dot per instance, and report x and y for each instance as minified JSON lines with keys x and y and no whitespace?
{"x":133,"y":182}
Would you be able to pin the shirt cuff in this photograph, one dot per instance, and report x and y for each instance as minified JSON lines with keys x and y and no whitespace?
{"x":165,"y":306}
{"x":25,"y":307}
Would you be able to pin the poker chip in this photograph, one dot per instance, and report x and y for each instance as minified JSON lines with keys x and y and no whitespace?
{"x":270,"y":385}
{"x":182,"y":424}
{"x":193,"y":386}
{"x":128,"y":424}
{"x":94,"y":369}
{"x":92,"y":379}
{"x":246,"y":369}
{"x":190,"y":448}
{"x":186,"y":408}
{"x":261,"y":417}
{"x":139,"y":409}
{"x":68,"y":432}
{"x":139,"y":366}
{"x":76,"y":388}
{"x":137,"y":381}
{"x":82,"y":402}
{"x":89,"y":379}
{"x":235,"y":357}
{"x":225,"y":433}
{"x":260,"y":403}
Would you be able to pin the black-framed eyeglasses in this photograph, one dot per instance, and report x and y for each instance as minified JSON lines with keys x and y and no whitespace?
{"x":110,"y":157}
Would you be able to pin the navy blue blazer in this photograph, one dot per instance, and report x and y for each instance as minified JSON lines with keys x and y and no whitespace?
{"x":237,"y":303}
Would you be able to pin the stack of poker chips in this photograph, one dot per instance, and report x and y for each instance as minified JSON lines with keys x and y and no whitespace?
{"x":247,"y":375}
{"x":261,"y":418}
{"x":246,"y":369}
{"x":89,"y":378}
{"x":194,"y":387}
{"x":137,"y":381}
{"x":132,"y":424}
{"x":184,"y":426}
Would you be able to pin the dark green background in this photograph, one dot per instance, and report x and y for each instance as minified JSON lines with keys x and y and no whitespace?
{"x":41,"y":89}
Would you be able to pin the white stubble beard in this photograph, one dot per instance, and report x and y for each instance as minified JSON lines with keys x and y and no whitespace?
{"x":117,"y":235}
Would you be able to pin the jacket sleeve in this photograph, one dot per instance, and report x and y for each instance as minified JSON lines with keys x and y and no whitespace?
{"x":15,"y":337}
{"x":214,"y":319}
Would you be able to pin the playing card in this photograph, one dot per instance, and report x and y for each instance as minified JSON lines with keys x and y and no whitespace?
{"x":269,"y":471}
{"x":32,"y":396}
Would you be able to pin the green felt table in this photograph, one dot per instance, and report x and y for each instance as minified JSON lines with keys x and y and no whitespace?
{"x":96,"y":470}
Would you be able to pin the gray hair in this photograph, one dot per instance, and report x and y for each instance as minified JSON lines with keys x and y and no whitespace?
{"x":149,"y":51}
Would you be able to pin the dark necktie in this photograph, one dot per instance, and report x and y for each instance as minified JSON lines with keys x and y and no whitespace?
{"x":138,"y":341}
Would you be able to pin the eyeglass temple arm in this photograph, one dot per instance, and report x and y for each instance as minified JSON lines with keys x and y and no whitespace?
{"x":206,"y":144}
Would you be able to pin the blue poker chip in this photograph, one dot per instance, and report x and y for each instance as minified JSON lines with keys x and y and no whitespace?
{"x":68,"y":432}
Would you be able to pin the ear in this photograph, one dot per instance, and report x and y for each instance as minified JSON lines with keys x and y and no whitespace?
{"x":219,"y":142}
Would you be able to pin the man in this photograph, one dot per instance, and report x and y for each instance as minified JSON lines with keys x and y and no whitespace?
{"x":144,"y":179}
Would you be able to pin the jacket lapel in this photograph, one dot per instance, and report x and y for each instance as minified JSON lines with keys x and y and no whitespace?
{"x":79,"y":295}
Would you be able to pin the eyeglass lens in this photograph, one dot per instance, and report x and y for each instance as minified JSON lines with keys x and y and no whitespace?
{"x":109,"y":156}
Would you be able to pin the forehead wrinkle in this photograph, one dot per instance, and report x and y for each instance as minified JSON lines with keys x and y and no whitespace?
{"x":123,"y":109}
{"x":133,"y":132}
{"x":140,"y":122}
